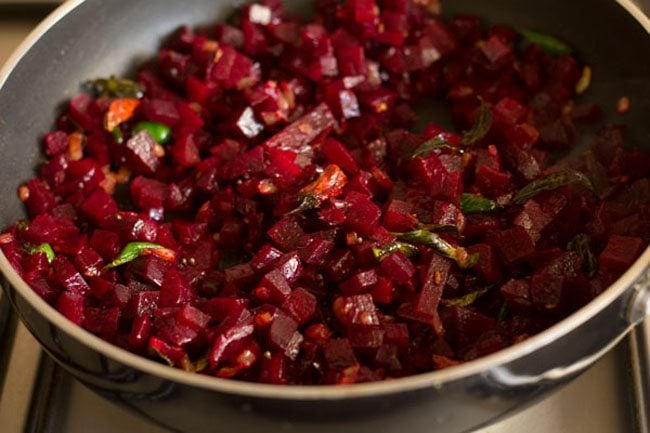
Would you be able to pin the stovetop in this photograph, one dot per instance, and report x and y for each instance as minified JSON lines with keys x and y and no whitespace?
{"x":36,"y":396}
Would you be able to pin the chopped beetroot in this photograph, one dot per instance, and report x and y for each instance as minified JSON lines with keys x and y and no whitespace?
{"x":513,"y":245}
{"x":71,"y":305}
{"x":276,"y":286}
{"x":265,"y":210}
{"x":283,"y":336}
{"x":621,"y":252}
{"x":362,"y":282}
{"x":300,"y":305}
{"x":175,"y":290}
{"x":398,"y":267}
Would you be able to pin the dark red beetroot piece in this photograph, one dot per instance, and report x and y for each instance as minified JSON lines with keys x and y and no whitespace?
{"x":294,"y":233}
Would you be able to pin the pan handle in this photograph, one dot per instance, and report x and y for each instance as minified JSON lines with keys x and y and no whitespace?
{"x":639,"y":309}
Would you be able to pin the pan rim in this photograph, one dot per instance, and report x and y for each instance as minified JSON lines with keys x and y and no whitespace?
{"x":435,"y":379}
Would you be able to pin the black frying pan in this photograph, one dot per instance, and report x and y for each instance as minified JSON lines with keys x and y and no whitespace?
{"x":86,"y":39}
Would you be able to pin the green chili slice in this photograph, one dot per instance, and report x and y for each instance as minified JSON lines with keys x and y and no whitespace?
{"x":159,"y":132}
{"x":548,"y":43}
{"x":136,"y":249}
{"x":43,"y":248}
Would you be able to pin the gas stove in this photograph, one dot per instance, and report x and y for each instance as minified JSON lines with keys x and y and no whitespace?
{"x":37,"y":396}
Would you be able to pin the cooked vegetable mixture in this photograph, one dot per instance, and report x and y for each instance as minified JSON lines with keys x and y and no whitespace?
{"x":258,"y":205}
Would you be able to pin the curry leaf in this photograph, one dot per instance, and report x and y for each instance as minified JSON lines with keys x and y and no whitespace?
{"x":474,"y":203}
{"x":481,"y":127}
{"x":548,"y":43}
{"x":503,"y":312}
{"x":580,"y":245}
{"x":114,"y":87}
{"x":552,"y":181}
{"x":436,"y":143}
{"x":467,"y":300}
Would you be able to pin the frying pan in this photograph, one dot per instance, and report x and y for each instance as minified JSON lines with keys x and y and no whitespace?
{"x":91,"y":38}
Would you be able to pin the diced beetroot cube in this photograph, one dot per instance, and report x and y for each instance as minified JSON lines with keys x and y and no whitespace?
{"x":339,"y":354}
{"x":191,"y":121}
{"x":102,"y":321}
{"x":81,"y":112}
{"x":440,"y":37}
{"x":40,"y":198}
{"x":175,"y":290}
{"x":264,"y":257}
{"x":99,"y":207}
{"x":185,"y":151}
{"x":533,"y":219}
{"x":362,"y":282}
{"x":55,"y":142}
{"x":99,"y":286}
{"x":151,"y":269}
{"x":298,"y":136}
{"x":316,"y":251}
{"x":189,"y":232}
{"x":149,"y":196}
{"x":233,"y":70}
{"x":240,"y":276}
{"x":71,"y":305}
{"x":397,"y":333}
{"x":105,"y":243}
{"x":366,"y":337}
{"x":140,"y":333}
{"x":193,"y":317}
{"x":338,"y":154}
{"x":169,"y":330}
{"x":43,"y":288}
{"x":341,"y":265}
{"x":488,"y":265}
{"x":35,"y":264}
{"x":434,"y":279}
{"x":143,"y":304}
{"x":546,"y":290}
{"x":119,"y":296}
{"x":621,"y":252}
{"x":513,"y":245}
{"x":88,"y":262}
{"x":509,"y":111}
{"x":398,"y":216}
{"x":227,"y":342}
{"x":274,"y":369}
{"x":161,"y":111}
{"x":384,"y":292}
{"x":287,"y":233}
{"x":132,"y":227}
{"x":283,"y":336}
{"x":68,"y":277}
{"x":517,"y":294}
{"x":141,"y":154}
{"x":467,"y":326}
{"x":398,"y":267}
{"x":356,"y":310}
{"x":495,"y":53}
{"x":175,"y":356}
{"x":289,"y":266}
{"x":300,"y":305}
{"x":277,"y":285}
{"x":45,"y":228}
{"x":220,"y":308}
{"x":363,"y":216}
